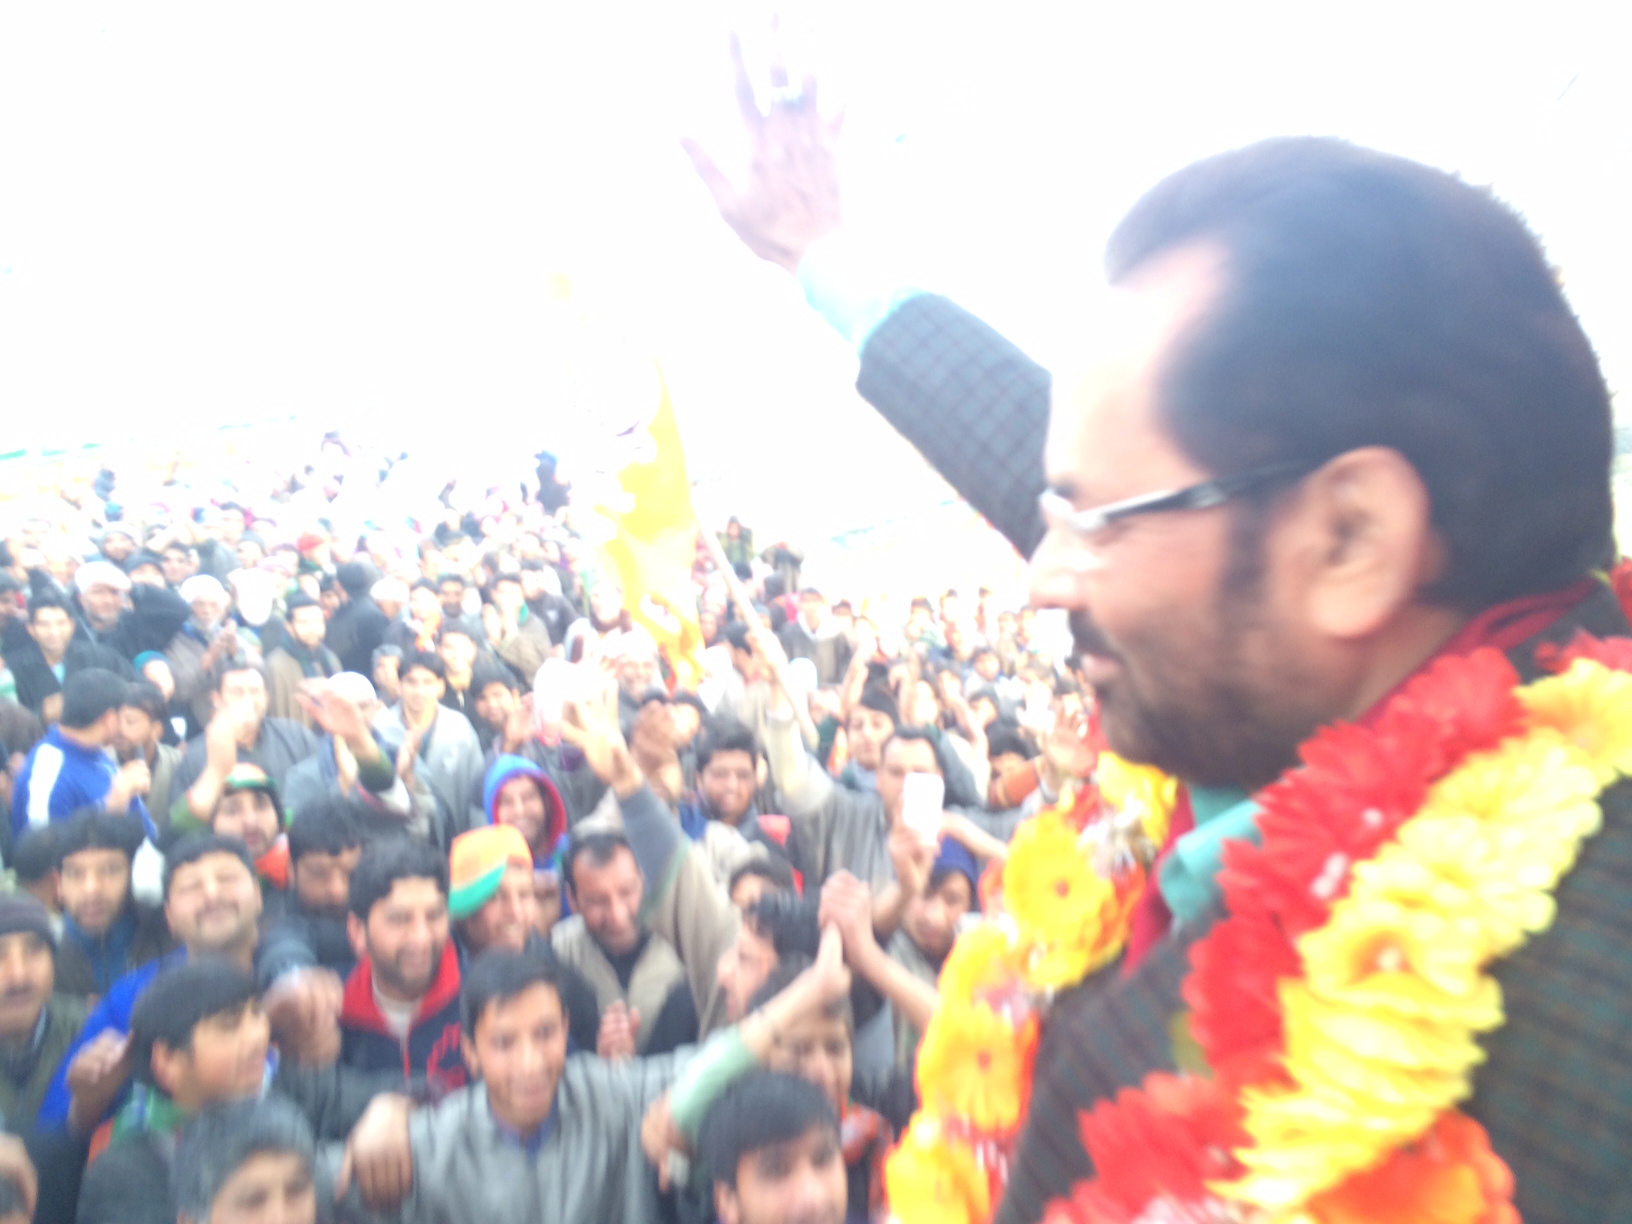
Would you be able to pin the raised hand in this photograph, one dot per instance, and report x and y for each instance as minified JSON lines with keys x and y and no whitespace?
{"x":789,"y":196}
{"x":620,"y":1028}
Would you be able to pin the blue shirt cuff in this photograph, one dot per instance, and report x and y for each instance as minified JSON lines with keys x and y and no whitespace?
{"x":852,"y":293}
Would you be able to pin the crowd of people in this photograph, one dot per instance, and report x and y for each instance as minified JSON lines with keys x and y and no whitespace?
{"x":366,"y":875}
{"x":309,"y":834}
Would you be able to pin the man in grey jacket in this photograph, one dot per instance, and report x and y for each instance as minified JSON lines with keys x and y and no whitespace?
{"x":542,"y":1137}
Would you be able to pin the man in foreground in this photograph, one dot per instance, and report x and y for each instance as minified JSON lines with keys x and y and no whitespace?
{"x":541,"y":1136}
{"x":770,"y":1146}
{"x":1341,"y":423}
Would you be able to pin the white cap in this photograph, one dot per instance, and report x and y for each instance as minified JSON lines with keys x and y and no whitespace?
{"x":390,"y":590}
{"x":203,"y":586}
{"x":100,"y":573}
{"x":354,"y":687}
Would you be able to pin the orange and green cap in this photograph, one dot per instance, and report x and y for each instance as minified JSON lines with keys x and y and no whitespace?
{"x":477,"y":862}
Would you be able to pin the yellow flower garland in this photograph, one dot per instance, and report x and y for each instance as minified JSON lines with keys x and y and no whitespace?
{"x":1382,"y":1031}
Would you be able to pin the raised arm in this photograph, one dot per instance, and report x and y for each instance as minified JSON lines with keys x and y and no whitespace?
{"x":968,"y":399}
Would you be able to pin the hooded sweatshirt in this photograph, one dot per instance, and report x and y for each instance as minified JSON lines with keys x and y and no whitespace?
{"x":508,"y":767}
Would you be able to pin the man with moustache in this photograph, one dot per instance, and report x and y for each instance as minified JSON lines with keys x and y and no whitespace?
{"x":1341,"y":423}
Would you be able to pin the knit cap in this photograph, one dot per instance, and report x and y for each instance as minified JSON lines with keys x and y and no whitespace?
{"x":478,"y":860}
{"x":21,"y":914}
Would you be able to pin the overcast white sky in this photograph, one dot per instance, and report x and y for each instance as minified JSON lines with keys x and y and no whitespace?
{"x":214,"y":213}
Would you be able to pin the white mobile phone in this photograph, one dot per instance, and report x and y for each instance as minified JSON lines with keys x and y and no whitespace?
{"x":922,"y":803}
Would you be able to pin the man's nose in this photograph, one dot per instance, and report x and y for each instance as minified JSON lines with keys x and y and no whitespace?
{"x":1056,"y":571}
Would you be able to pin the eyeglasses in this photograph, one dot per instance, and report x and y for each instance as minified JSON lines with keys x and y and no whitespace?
{"x":1085,"y":524}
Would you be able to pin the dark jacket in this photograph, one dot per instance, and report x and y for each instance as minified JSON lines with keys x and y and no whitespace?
{"x":357,"y":627}
{"x":1555,"y":1092}
{"x":23,"y":1086}
{"x":88,"y":967}
{"x":36,"y":681}
{"x":155,"y":615}
{"x":971,"y":402}
{"x":130,"y":1183}
{"x":296,"y":940}
{"x":432,"y":1048}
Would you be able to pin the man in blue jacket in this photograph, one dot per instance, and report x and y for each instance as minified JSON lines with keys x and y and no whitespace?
{"x":212,"y":902}
{"x":73,"y":767}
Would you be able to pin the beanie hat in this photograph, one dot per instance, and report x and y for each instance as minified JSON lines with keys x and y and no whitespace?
{"x":477,"y":862}
{"x":21,"y":914}
{"x":253,"y":778}
{"x":954,"y":857}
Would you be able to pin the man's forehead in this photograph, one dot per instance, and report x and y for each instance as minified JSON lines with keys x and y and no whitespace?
{"x":1105,"y":439}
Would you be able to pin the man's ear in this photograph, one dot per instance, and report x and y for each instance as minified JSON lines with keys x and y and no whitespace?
{"x":357,"y":933}
{"x":1364,"y":542}
{"x":167,"y":1066}
{"x":726,"y":1205}
{"x":467,"y":1050}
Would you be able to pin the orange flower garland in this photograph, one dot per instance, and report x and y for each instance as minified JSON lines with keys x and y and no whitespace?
{"x":1340,"y":1003}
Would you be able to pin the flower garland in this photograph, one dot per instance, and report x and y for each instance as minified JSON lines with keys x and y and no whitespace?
{"x":1341,"y":1002}
{"x":1060,"y":908}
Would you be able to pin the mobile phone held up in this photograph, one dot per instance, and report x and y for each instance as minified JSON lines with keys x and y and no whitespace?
{"x":922,"y":802}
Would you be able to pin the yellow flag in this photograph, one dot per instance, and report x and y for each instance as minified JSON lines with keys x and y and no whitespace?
{"x":656,"y":544}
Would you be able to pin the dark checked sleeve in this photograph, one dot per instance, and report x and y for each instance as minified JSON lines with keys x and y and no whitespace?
{"x":972,"y":403}
{"x":1105,"y":1035}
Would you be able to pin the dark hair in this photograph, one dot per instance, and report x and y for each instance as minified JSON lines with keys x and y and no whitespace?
{"x":147,"y":697}
{"x":788,"y":921}
{"x":450,"y":576}
{"x":194,"y":846}
{"x":297,"y":601}
{"x":231,"y":665}
{"x":499,"y":975}
{"x":38,"y":601}
{"x":91,"y":829}
{"x":385,"y":862}
{"x":772,"y":869}
{"x":737,"y":636}
{"x":1004,"y":738}
{"x":599,"y":846}
{"x":725,"y":735}
{"x":328,"y":823}
{"x":760,"y":1110}
{"x":423,"y":584}
{"x":912,"y":735}
{"x":426,"y":661}
{"x":687,"y":698}
{"x":355,"y":578}
{"x":1373,"y":301}
{"x":484,"y":674}
{"x":89,"y":695}
{"x":178,"y":999}
{"x":224,"y":1138}
{"x":35,"y":856}
{"x":454,"y":625}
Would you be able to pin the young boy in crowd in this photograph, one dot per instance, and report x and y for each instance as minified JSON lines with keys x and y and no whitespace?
{"x":771,"y":1150}
{"x":542,"y":1136}
{"x":105,"y":932}
{"x":248,"y":1162}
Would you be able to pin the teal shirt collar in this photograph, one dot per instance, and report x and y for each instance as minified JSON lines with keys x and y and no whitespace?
{"x":1189,"y":876}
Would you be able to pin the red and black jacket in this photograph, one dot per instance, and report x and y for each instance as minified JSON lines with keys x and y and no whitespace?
{"x":432,"y":1049}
